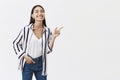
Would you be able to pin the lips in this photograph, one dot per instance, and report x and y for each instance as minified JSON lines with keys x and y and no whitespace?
{"x":40,"y":16}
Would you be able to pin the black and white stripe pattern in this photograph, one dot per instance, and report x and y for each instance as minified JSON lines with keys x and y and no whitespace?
{"x":21,"y":43}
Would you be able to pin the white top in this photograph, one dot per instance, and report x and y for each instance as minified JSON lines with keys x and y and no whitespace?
{"x":35,"y":47}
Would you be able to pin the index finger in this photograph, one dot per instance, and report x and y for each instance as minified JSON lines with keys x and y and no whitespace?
{"x":60,"y":28}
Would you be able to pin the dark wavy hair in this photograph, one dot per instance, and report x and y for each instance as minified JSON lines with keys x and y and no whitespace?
{"x":33,"y":20}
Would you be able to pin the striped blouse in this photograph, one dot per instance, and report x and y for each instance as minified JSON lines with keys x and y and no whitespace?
{"x":21,"y":43}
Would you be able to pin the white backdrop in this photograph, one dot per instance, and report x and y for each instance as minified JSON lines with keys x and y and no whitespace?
{"x":88,"y":47}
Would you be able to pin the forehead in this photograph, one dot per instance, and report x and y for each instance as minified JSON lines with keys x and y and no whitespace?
{"x":38,"y":8}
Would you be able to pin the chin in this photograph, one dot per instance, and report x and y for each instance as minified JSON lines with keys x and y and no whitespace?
{"x":40,"y":20}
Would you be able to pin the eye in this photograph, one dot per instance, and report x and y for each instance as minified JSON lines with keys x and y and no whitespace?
{"x":42,"y":11}
{"x":36,"y":11}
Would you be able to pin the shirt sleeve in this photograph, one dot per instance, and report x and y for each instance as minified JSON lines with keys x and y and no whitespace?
{"x":18,"y":44}
{"x":49,"y":38}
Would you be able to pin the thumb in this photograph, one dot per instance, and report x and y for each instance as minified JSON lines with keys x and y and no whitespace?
{"x":33,"y":61}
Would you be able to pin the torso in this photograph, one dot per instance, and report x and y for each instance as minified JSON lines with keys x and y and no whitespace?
{"x":35,"y":46}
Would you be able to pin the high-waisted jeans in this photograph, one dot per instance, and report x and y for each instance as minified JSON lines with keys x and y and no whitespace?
{"x":35,"y":68}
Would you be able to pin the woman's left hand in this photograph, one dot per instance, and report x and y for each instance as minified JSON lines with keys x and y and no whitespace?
{"x":56,"y":32}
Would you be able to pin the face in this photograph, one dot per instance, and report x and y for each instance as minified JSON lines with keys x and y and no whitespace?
{"x":38,"y":14}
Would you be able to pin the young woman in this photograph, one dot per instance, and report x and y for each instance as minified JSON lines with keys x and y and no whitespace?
{"x":33,"y":43}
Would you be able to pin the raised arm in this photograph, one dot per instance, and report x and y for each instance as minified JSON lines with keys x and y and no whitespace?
{"x":55,"y":34}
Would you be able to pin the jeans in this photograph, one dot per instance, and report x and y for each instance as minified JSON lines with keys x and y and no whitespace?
{"x":35,"y":68}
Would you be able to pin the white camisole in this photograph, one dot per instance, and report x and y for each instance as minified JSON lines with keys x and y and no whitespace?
{"x":35,"y":47}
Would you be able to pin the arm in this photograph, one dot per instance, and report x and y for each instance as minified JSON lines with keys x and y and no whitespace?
{"x":18,"y":44}
{"x":18,"y":48}
{"x":55,"y":34}
{"x":52,"y":41}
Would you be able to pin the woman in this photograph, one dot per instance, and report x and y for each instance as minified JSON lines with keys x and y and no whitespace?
{"x":33,"y":43}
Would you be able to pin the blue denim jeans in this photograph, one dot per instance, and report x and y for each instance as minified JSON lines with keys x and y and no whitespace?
{"x":35,"y":68}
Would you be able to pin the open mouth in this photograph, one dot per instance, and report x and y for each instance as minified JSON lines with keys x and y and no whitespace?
{"x":41,"y":16}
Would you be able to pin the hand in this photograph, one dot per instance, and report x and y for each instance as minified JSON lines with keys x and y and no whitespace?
{"x":56,"y":32}
{"x":28,"y":59}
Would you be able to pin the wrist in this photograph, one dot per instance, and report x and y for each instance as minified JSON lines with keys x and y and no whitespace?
{"x":53,"y":36}
{"x":25,"y":56}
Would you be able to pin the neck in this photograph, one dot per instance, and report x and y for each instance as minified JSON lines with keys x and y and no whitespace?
{"x":38,"y":25}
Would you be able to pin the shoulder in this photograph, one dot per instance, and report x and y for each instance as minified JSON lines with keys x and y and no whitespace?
{"x":26,"y":27}
{"x":47,"y":29}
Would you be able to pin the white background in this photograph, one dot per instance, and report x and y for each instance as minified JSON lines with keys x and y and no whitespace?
{"x":87,"y":49}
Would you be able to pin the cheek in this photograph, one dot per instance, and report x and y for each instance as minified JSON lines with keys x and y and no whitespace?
{"x":33,"y":16}
{"x":43,"y":14}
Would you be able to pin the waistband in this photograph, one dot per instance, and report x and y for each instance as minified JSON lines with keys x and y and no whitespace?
{"x":36,"y":59}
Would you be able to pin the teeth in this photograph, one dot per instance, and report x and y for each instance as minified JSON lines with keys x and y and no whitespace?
{"x":40,"y":16}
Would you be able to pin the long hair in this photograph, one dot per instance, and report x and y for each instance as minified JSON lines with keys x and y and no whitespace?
{"x":33,"y":20}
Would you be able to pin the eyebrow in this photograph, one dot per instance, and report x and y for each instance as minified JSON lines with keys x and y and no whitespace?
{"x":40,"y":10}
